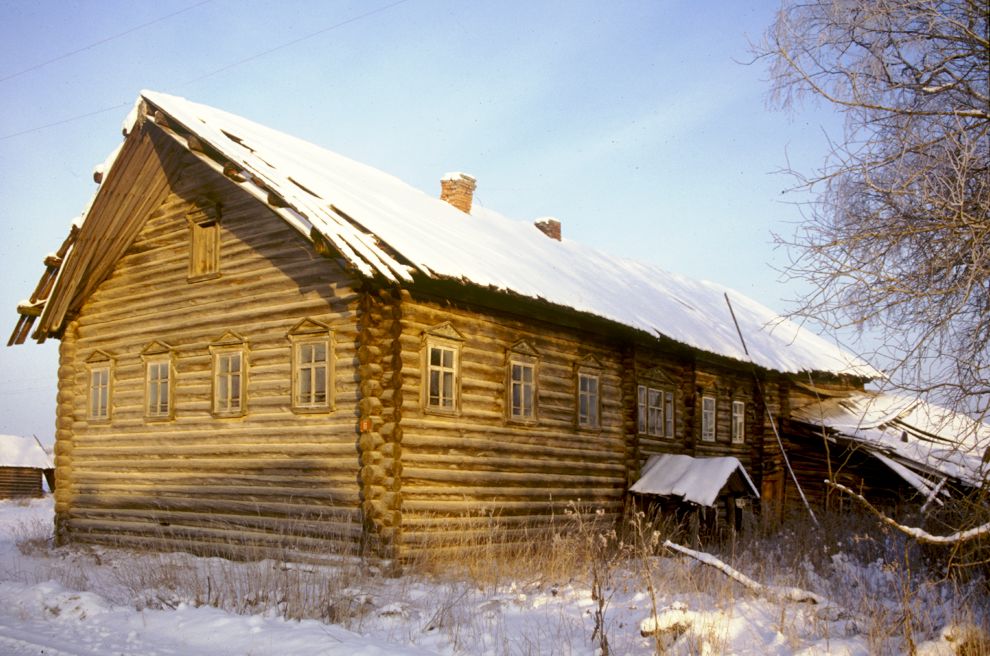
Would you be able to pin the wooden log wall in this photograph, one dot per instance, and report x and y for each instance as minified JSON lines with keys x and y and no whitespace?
{"x":272,"y":477}
{"x":475,"y":470}
{"x":728,"y":384}
{"x":660,"y":370}
{"x":20,"y":482}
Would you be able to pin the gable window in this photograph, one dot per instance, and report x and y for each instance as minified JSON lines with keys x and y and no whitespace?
{"x":229,"y":367}
{"x":312,"y":367}
{"x":588,"y":400}
{"x":708,"y":418}
{"x":204,"y":241}
{"x":738,"y":422}
{"x":655,"y":411}
{"x":441,"y":382}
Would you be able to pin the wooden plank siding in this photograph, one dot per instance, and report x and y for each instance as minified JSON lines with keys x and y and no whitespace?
{"x":20,"y":482}
{"x":198,"y":481}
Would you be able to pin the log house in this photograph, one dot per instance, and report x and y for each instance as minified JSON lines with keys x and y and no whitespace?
{"x":251,"y":357}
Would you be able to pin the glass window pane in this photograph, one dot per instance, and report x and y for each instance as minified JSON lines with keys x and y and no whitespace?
{"x":448,"y":389}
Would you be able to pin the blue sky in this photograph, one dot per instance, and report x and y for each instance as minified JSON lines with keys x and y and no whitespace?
{"x":637,"y":124}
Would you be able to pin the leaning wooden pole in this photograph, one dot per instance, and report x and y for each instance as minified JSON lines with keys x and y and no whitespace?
{"x":766,"y":406}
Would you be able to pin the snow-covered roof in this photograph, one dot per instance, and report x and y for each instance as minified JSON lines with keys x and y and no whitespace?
{"x":16,"y":451}
{"x":908,"y":430}
{"x":385,"y":227}
{"x":698,"y":480}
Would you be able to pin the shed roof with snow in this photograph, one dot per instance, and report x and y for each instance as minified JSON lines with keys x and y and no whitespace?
{"x":696,"y":480}
{"x":16,"y":451}
{"x":388,"y":229}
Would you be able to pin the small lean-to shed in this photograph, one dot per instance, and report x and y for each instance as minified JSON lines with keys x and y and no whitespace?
{"x":22,"y":464}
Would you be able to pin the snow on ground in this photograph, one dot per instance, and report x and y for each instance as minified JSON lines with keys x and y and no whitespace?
{"x":83,"y":601}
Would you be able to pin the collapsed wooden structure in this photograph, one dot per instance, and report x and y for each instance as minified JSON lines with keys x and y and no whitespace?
{"x":261,"y":339}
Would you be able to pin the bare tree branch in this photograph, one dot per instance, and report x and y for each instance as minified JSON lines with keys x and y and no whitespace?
{"x":917,"y":533}
{"x":896,"y":241}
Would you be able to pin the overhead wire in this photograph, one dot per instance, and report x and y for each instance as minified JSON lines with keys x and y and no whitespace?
{"x":100,"y":42}
{"x":201,"y":77}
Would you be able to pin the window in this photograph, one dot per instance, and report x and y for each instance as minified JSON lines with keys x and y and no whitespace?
{"x":204,"y":241}
{"x":708,"y":418}
{"x":311,"y":374}
{"x":229,"y":379}
{"x":99,"y":392}
{"x":522,"y":391}
{"x":442,"y":378}
{"x":158,"y":388}
{"x":158,"y":381}
{"x":588,"y":400}
{"x":100,"y":369}
{"x":738,"y":422}
{"x":656,"y":411}
{"x":441,"y":369}
{"x":312,"y":367}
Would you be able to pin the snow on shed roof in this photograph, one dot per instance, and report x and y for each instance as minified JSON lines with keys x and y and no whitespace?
{"x":698,"y":480}
{"x":16,"y":451}
{"x":386,"y":227}
{"x":911,"y":431}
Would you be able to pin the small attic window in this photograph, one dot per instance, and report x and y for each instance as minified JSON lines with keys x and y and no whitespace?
{"x":204,"y":242}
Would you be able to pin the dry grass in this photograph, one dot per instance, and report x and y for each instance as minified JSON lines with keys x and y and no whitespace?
{"x":885,"y":582}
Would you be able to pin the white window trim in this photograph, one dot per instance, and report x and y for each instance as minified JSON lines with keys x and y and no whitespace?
{"x":709,"y":418}
{"x":738,"y":422}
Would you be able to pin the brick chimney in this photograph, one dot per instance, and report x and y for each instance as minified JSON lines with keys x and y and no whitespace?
{"x":458,"y":190}
{"x":549,"y":226}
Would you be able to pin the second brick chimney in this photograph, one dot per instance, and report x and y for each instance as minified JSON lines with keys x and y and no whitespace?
{"x":550,"y":227}
{"x":458,"y":190}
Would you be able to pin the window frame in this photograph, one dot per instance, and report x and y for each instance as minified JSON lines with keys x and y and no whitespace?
{"x":102,"y":363}
{"x":444,"y":405}
{"x":156,"y":356}
{"x":591,"y":420}
{"x":312,"y":333}
{"x":525,"y":357}
{"x":204,"y":241}
{"x":709,"y":418}
{"x":519,"y":412}
{"x":738,"y":421}
{"x":664,"y":410}
{"x":443,"y":338}
{"x":228,"y":346}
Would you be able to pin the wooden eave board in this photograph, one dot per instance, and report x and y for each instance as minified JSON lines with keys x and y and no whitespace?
{"x":136,"y":185}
